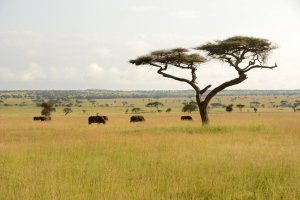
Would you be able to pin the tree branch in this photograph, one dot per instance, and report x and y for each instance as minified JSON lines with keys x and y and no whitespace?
{"x":160,"y":71}
{"x":171,"y":76}
{"x":259,"y":66}
{"x":194,"y":77}
{"x":235,"y":81}
{"x":204,"y":90}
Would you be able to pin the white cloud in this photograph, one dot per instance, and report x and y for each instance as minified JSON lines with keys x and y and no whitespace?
{"x":6,"y":74}
{"x":31,"y":53}
{"x":185,"y":14}
{"x":32,"y":73}
{"x":66,"y":73}
{"x":20,"y":39}
{"x":180,"y":40}
{"x":138,"y":47}
{"x":95,"y":72}
{"x":103,"y":52}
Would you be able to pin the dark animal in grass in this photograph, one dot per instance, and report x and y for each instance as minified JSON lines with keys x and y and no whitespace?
{"x":105,"y":117}
{"x":42,"y":118}
{"x":137,"y":118}
{"x":186,"y":118}
{"x":96,"y":119}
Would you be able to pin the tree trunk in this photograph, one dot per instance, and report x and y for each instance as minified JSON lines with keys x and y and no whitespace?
{"x":204,"y":114}
{"x":203,"y":105}
{"x":202,"y":109}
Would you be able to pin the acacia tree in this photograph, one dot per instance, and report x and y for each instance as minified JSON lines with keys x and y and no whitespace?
{"x":135,"y":110}
{"x":234,"y":51}
{"x":67,"y":110}
{"x":155,"y":104}
{"x":229,"y":108}
{"x":47,"y":109}
{"x":240,"y":106}
{"x":192,"y":106}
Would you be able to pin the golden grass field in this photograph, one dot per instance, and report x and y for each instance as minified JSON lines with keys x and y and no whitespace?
{"x":240,"y":155}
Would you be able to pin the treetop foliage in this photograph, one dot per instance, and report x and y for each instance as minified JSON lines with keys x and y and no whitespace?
{"x":154,"y":104}
{"x":47,"y":108}
{"x":239,"y":48}
{"x":190,"y":107}
{"x":177,"y":57}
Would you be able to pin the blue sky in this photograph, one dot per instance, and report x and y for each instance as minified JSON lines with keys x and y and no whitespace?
{"x":72,"y":44}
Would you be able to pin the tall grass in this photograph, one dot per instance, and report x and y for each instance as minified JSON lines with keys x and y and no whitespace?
{"x":240,"y":157}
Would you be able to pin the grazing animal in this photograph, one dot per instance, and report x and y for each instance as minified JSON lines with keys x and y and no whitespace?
{"x":186,"y":118}
{"x":42,"y":118}
{"x":137,"y":118}
{"x":96,"y":119}
{"x":104,"y":117}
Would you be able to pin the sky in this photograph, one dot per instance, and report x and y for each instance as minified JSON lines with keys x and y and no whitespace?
{"x":86,"y":44}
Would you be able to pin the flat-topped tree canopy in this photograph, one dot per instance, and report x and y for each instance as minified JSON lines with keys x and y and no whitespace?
{"x":238,"y":49}
{"x":177,"y":57}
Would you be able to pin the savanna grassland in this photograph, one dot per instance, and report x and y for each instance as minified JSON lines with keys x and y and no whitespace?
{"x":240,"y":155}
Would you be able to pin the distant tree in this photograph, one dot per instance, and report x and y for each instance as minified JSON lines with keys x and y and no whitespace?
{"x":254,"y":104}
{"x":229,"y":108}
{"x":124,"y":103}
{"x":157,"y":97}
{"x":69,"y":105}
{"x":240,"y":106}
{"x":296,"y":104}
{"x":190,"y":107}
{"x":283,"y":103}
{"x":235,"y":51}
{"x":67,"y":110}
{"x":272,"y":104}
{"x":135,"y":110}
{"x":78,"y":102}
{"x":255,"y":109}
{"x":47,"y":109}
{"x":169,"y":110}
{"x":92,"y":101}
{"x":216,"y":105}
{"x":126,"y":111}
{"x":155,"y":104}
{"x":83,"y":111}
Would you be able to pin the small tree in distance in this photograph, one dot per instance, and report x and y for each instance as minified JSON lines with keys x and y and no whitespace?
{"x":229,"y":108}
{"x":240,"y":106}
{"x":155,"y":104}
{"x":135,"y":110}
{"x":47,"y":109}
{"x":67,"y":110}
{"x":192,"y":106}
{"x":169,"y":110}
{"x":234,"y":51}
